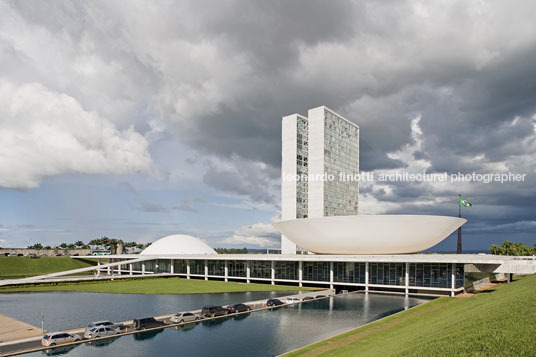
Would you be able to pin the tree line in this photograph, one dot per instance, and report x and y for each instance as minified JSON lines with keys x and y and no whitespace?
{"x":511,"y":248}
{"x":231,"y":250}
{"x":99,"y":243}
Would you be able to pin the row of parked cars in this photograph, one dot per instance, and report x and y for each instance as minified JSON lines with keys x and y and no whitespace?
{"x":107,"y":328}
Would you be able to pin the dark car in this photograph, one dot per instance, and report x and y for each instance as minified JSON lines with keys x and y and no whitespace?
{"x":233,"y":309}
{"x":213,"y":311}
{"x":274,"y":302}
{"x":147,"y":322}
{"x":307,"y":298}
{"x":320,"y":296}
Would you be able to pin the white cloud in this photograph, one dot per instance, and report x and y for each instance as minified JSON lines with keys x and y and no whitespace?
{"x":258,"y":234}
{"x":47,"y":133}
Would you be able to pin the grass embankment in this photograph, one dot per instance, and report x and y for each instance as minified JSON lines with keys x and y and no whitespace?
{"x":22,"y":267}
{"x":496,"y":323}
{"x":153,"y":286}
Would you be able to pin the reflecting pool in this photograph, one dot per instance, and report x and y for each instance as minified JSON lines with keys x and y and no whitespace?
{"x":262,"y":333}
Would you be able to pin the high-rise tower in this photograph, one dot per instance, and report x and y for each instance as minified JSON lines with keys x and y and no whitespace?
{"x":320,"y":166}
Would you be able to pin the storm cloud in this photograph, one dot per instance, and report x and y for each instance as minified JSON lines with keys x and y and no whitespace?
{"x":218,"y":77}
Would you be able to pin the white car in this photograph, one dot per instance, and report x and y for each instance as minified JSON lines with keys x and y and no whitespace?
{"x":58,"y":338}
{"x":104,"y":323}
{"x":100,"y":332}
{"x":183,"y":317}
{"x":292,"y":300}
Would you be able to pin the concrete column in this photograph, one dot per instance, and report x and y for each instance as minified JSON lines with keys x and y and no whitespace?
{"x":273,"y":273}
{"x":187,"y":269}
{"x":300,"y":273}
{"x":143,"y":268}
{"x":331,"y":275}
{"x":130,"y":269}
{"x":206,"y":269}
{"x":98,"y":265}
{"x":367,"y":276}
{"x":453,"y":280}
{"x":226,"y":271}
{"x":406,"y":280}
{"x":172,"y":266}
{"x":247,"y":271}
{"x":108,"y":268}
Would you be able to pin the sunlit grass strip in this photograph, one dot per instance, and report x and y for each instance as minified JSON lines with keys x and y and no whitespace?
{"x":153,"y":286}
{"x":22,"y":267}
{"x":498,"y":323}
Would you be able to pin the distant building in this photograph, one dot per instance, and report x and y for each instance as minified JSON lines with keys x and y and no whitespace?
{"x":316,"y":151}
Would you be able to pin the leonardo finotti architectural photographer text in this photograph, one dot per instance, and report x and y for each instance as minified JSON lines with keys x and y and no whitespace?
{"x":410,"y":177}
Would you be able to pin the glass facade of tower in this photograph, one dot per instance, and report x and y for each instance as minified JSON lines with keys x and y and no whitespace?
{"x":341,"y":156}
{"x":302,"y":167}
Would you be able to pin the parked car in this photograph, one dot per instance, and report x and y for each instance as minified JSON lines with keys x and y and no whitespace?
{"x":101,"y":332}
{"x":233,"y":309}
{"x":308,"y":298}
{"x":320,"y":296}
{"x":293,"y":300}
{"x":104,"y":323}
{"x":213,"y":311}
{"x":274,"y":302}
{"x":147,"y":322}
{"x":183,"y":317}
{"x":32,"y":256}
{"x":58,"y":338}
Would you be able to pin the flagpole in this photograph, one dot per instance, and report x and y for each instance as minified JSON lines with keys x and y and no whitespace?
{"x":459,"y":247}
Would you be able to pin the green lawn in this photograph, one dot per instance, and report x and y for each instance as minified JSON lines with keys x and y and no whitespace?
{"x":154,"y":286}
{"x":497,"y":323}
{"x":21,"y":267}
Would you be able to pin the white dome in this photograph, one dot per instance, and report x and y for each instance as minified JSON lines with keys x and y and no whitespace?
{"x":178,"y":244}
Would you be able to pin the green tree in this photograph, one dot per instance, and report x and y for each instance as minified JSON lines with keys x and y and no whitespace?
{"x":80,"y":245}
{"x":511,"y":248}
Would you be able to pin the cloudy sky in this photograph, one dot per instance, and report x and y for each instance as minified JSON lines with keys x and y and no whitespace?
{"x":138,"y":119}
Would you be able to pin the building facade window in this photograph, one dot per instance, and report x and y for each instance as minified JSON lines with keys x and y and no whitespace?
{"x":179,"y":266}
{"x":260,"y":269}
{"x":341,"y":157}
{"x":197,"y":267}
{"x":237,"y":268}
{"x":316,"y":271}
{"x":347,"y":272}
{"x":302,"y":169}
{"x":387,"y":273}
{"x":435,"y":275}
{"x":216,"y":267}
{"x":286,"y":270}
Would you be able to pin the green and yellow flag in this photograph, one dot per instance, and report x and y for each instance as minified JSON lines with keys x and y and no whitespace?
{"x":465,"y":203}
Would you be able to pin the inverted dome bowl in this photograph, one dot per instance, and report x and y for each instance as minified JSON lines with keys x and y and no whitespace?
{"x":374,"y":234}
